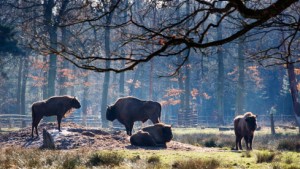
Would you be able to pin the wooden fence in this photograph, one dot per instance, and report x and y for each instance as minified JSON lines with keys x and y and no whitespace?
{"x":19,"y":121}
{"x":15,"y":120}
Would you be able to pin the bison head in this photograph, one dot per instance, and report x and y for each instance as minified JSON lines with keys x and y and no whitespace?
{"x":167,"y":133}
{"x":110,"y":113}
{"x":251,"y":122}
{"x":75,"y":103}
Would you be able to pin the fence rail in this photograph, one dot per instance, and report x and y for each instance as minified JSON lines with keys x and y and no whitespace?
{"x":19,"y":121}
{"x":15,"y":120}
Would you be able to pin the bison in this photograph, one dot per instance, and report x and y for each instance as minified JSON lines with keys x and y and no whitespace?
{"x":156,"y":135}
{"x":127,"y":110}
{"x":244,"y":127}
{"x":55,"y":106}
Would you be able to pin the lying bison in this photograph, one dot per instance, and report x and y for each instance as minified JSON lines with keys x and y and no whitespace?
{"x":55,"y":106}
{"x":156,"y":135}
{"x":244,"y":126}
{"x":127,"y":110}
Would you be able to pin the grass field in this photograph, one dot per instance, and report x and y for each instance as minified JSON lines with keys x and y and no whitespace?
{"x":275,"y":152}
{"x":31,"y":158}
{"x":212,"y":137}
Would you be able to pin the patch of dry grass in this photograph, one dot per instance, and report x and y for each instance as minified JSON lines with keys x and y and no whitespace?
{"x":196,"y":164}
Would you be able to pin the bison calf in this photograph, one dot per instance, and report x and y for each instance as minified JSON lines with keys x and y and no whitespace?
{"x":244,"y":127}
{"x":127,"y":110}
{"x":156,"y":135}
{"x":54,"y":106}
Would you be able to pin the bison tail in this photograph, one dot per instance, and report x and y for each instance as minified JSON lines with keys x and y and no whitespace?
{"x":159,"y":110}
{"x":33,"y":113}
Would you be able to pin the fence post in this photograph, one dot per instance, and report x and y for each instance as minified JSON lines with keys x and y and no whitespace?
{"x":272,"y":124}
{"x":23,"y":123}
{"x":9,"y":123}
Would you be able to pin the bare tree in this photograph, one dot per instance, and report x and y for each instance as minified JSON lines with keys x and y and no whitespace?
{"x":169,"y":37}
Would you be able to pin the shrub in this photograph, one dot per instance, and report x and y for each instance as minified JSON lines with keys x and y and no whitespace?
{"x":196,"y":164}
{"x":210,"y":143}
{"x":265,"y":156}
{"x":288,"y":160}
{"x":246,"y":154}
{"x":71,"y":163}
{"x":105,"y":158}
{"x":153,"y":159}
{"x":290,"y":145}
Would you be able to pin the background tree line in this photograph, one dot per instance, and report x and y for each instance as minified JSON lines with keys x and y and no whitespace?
{"x":197,"y":58}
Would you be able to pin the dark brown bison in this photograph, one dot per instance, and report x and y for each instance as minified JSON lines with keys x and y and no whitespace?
{"x":127,"y":110}
{"x":156,"y":135}
{"x":54,"y":106}
{"x":244,"y":127}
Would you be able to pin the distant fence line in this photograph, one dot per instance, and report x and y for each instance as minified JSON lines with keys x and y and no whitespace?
{"x":16,"y":120}
{"x":212,"y":121}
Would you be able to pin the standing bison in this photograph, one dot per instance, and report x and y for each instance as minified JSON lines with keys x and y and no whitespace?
{"x":244,"y":126}
{"x":156,"y":135}
{"x":55,"y":106}
{"x":127,"y":110}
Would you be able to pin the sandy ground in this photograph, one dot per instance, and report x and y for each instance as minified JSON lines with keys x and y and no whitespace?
{"x":74,"y":136}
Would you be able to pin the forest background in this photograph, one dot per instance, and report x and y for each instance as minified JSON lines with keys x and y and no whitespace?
{"x":204,"y":61}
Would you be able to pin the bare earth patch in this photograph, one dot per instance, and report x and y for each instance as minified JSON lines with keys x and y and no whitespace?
{"x":74,"y":136}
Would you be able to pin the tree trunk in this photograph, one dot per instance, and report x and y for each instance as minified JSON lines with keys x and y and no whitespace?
{"x":220,"y":83}
{"x":241,"y":76}
{"x":52,"y":31}
{"x":106,"y":74}
{"x":53,"y":64}
{"x":63,"y":79}
{"x":187,"y":94}
{"x":84,"y":101}
{"x":23,"y":89}
{"x":220,"y":89}
{"x":21,"y":62}
{"x":122,"y":83}
{"x":122,"y":75}
{"x":45,"y":83}
{"x":294,"y":92}
{"x":181,"y":96}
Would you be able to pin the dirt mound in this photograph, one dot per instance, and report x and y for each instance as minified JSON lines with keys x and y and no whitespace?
{"x":74,"y":136}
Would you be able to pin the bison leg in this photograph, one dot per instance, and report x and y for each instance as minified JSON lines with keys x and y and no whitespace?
{"x":35,"y":123}
{"x":238,"y":143}
{"x":250,"y":142}
{"x":127,"y":130}
{"x":32,"y":130}
{"x":58,"y":122}
{"x":154,"y":118}
{"x":246,"y":138}
{"x":131,"y":127}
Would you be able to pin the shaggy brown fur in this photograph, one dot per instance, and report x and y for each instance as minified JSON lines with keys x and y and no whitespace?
{"x":55,"y":106}
{"x":127,"y":110}
{"x":244,"y":127}
{"x":156,"y":135}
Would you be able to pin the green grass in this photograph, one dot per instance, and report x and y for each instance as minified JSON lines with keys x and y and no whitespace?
{"x":6,"y":130}
{"x":74,"y":159}
{"x":288,"y":139}
{"x":277,"y":152}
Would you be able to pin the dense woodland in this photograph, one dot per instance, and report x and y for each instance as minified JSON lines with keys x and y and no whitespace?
{"x":199,"y":59}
